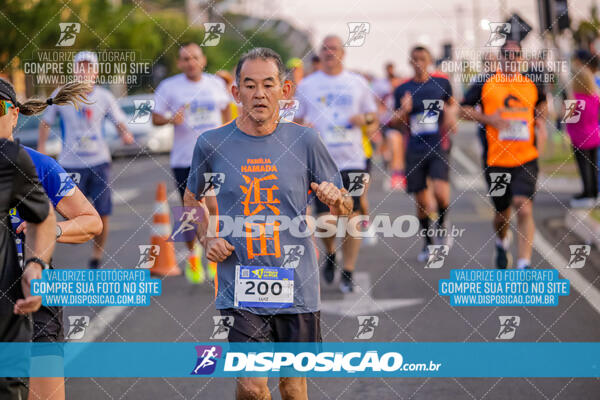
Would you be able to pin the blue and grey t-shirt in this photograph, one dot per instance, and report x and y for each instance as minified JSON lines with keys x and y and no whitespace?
{"x":263,"y":180}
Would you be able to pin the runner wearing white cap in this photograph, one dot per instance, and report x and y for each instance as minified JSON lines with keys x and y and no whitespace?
{"x":84,"y":149}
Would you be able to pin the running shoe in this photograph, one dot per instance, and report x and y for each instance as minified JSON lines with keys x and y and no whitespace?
{"x":194,"y":270}
{"x":582,"y":202}
{"x":503,"y":255}
{"x":346,"y":284}
{"x":423,"y":255}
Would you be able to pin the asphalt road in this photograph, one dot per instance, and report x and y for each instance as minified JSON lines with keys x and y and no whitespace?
{"x":388,"y":272}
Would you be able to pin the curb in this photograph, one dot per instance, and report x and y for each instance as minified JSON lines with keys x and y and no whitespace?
{"x":583,"y":225}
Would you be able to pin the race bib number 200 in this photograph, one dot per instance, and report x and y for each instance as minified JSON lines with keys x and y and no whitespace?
{"x":264,"y":287}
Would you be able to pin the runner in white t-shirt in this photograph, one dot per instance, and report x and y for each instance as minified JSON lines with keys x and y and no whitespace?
{"x":194,"y":102}
{"x":337,"y":103}
{"x":84,"y":149}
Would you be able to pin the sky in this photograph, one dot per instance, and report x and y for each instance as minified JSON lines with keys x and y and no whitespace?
{"x":395,"y":26}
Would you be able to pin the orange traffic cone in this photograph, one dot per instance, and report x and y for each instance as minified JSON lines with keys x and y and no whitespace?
{"x":165,"y":263}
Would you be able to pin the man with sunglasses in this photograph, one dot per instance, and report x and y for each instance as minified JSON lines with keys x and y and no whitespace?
{"x":85,"y":150}
{"x":512,"y":109}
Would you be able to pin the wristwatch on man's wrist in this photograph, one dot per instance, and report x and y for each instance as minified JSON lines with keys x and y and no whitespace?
{"x":38,"y":261}
{"x":58,"y":231}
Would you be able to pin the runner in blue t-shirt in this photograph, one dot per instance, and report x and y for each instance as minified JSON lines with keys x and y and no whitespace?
{"x":82,"y":223}
{"x":426,"y":109}
{"x":267,"y":276}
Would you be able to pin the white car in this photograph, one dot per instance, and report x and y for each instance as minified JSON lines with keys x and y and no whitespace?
{"x":148,"y":138}
{"x":27,"y":132}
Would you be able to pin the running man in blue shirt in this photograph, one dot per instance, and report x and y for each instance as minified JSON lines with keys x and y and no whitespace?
{"x":426,"y":109}
{"x":268,"y":169}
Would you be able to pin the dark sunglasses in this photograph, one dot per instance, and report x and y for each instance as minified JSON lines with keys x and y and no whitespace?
{"x":5,"y":105}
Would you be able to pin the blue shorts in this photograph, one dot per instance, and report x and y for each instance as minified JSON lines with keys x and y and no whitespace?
{"x":94,"y":184}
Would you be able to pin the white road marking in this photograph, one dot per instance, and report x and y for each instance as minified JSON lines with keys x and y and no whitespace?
{"x":123,"y":196}
{"x":360,"y":301}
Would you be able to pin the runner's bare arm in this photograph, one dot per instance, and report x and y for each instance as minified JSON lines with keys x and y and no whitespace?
{"x":126,"y":135}
{"x":176,"y":119}
{"x":471,"y":114}
{"x":400,"y":114}
{"x":83,"y":222}
{"x":450,"y":121}
{"x":217,"y":249}
{"x":541,"y":111}
{"x":338,"y":200}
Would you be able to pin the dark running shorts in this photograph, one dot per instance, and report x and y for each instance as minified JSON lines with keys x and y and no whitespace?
{"x":419,"y":166}
{"x":522,"y":183}
{"x":94,"y":184}
{"x":322,"y":208}
{"x":249,"y":327}
{"x":181,"y":177}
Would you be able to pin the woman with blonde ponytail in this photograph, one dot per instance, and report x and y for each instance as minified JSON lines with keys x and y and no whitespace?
{"x":71,"y":93}
{"x":81,"y":224}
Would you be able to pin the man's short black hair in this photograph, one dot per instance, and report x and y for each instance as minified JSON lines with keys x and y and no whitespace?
{"x":420,"y":48}
{"x":186,"y":44}
{"x":262,"y":53}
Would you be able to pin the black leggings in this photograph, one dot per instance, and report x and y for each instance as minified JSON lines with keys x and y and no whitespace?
{"x":587,"y":162}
